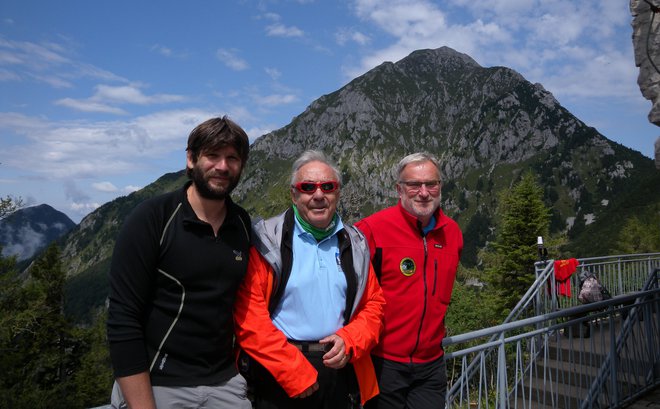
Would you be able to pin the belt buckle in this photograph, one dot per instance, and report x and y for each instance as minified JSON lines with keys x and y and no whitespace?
{"x":308,"y":346}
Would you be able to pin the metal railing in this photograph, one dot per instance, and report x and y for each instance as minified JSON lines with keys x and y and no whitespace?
{"x":513,"y":355}
{"x":620,"y":274}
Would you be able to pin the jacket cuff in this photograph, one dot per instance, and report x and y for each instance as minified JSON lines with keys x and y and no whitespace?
{"x":128,"y":358}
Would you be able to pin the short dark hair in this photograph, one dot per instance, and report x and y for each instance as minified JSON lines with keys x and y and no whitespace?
{"x":217,"y":133}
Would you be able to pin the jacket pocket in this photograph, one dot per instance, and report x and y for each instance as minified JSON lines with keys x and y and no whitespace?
{"x":446,"y":262}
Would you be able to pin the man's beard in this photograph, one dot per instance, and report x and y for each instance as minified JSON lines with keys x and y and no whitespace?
{"x":211,"y":192}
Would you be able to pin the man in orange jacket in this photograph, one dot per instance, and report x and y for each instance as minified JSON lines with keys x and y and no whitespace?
{"x":310,"y":309}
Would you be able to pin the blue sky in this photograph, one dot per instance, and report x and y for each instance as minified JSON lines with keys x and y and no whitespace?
{"x":97,"y":97}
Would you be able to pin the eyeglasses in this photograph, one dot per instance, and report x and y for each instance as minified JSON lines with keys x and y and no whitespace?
{"x":432,"y":186}
{"x":310,"y":187}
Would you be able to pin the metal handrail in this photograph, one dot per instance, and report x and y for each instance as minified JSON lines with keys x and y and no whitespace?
{"x":533,"y":338}
{"x":545,"y":302}
{"x":628,"y":325}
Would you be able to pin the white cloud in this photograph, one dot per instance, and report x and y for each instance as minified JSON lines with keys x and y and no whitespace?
{"x":131,"y":188}
{"x":7,"y":75}
{"x":80,"y":149}
{"x":90,"y":71}
{"x":231,"y":60}
{"x":12,"y":121}
{"x":403,"y":18}
{"x":556,"y":29}
{"x":132,"y":95}
{"x":270,"y":16}
{"x":84,"y":208}
{"x":27,"y":243}
{"x":52,"y":80}
{"x":254,"y":133}
{"x":413,"y":25}
{"x":89,"y":106}
{"x":281,"y":30}
{"x":162,"y":50}
{"x":72,"y":192}
{"x":344,"y":35}
{"x":48,"y":62}
{"x":105,"y":187}
{"x":168,"y":52}
{"x":277,"y":99}
{"x":105,"y":96}
{"x":273,"y":73}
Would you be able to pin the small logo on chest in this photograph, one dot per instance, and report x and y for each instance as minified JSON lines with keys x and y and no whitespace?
{"x":238,"y":255}
{"x":407,"y":266}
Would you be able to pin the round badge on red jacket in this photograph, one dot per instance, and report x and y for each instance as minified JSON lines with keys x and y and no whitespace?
{"x":407,"y":266}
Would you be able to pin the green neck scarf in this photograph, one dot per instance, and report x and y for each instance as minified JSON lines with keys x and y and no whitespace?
{"x":319,"y":234}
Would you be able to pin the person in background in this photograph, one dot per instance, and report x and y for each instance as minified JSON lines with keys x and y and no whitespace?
{"x":415,"y":249}
{"x":176,"y":267}
{"x":310,"y":308}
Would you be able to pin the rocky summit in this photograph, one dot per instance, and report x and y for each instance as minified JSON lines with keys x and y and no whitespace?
{"x":487,"y":125}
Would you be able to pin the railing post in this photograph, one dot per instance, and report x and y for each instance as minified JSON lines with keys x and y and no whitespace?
{"x":502,"y":384}
{"x":620,"y":276}
{"x":538,"y":271}
{"x":614,"y":360}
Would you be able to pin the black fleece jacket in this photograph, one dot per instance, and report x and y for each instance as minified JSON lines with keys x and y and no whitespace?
{"x":172,"y":290}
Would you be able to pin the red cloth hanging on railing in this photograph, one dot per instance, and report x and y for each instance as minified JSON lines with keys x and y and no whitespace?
{"x":563,"y":271}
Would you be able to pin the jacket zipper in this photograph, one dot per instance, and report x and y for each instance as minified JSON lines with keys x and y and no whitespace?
{"x":421,"y":321}
{"x":435,"y":275}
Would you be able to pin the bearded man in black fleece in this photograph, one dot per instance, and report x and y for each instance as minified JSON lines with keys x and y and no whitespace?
{"x":176,"y":267}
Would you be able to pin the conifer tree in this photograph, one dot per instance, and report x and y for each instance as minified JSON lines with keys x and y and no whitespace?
{"x":9,"y":204}
{"x":521,"y":217}
{"x":93,"y":377}
{"x":44,"y":361}
{"x":35,"y":335}
{"x":639,"y":236}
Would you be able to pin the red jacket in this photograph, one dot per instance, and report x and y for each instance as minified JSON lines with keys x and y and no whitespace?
{"x":563,"y":271}
{"x":258,"y":336}
{"x":417,"y":276}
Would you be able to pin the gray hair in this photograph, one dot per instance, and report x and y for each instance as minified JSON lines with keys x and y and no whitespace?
{"x":313,"y":156}
{"x":415,"y":158}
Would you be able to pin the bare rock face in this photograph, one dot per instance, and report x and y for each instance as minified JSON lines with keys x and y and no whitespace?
{"x":646,"y":43}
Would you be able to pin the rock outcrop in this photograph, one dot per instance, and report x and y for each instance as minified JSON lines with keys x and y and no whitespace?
{"x":646,"y":42}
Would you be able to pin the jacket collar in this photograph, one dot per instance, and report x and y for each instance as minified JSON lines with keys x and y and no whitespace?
{"x":411,"y":220}
{"x":190,"y":217}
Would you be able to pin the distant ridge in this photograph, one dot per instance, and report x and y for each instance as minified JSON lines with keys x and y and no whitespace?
{"x":29,"y":230}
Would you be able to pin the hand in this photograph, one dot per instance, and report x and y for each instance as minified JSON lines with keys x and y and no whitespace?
{"x":307,"y":392}
{"x":337,"y":357}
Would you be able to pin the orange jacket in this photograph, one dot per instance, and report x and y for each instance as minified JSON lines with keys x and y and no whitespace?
{"x":257,"y":335}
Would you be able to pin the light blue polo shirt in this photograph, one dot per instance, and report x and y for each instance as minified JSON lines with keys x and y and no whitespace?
{"x":314,"y":299}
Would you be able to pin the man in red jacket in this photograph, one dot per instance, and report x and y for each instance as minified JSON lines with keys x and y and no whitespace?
{"x":415,"y":249}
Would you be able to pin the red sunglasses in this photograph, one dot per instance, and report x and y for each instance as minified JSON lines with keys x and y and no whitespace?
{"x":310,"y":187}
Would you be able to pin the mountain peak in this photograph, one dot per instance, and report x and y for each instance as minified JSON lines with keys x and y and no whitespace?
{"x":442,"y":55}
{"x":27,"y":231}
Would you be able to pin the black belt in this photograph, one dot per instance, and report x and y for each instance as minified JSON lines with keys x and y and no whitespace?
{"x":310,"y":346}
